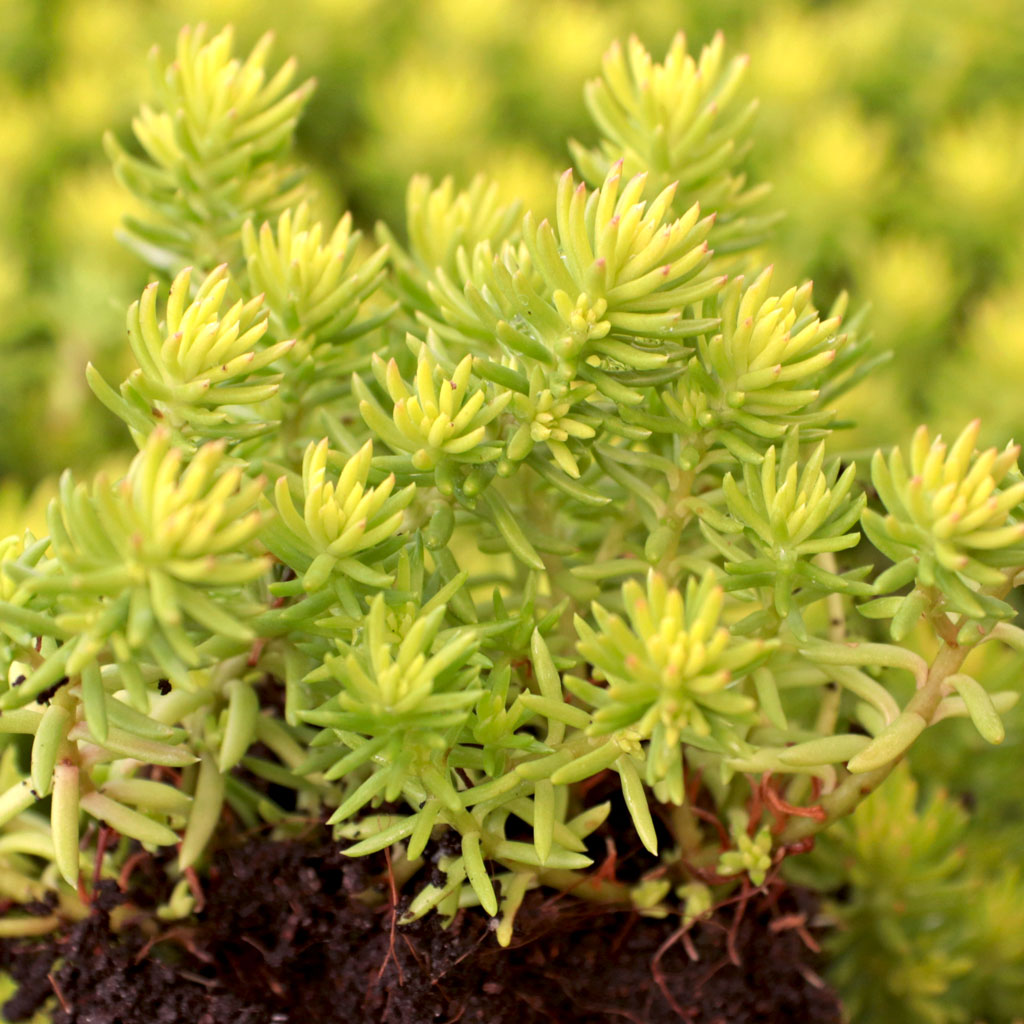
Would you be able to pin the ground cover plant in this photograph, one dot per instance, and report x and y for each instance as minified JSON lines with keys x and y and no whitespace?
{"x":465,"y":538}
{"x":905,"y":187}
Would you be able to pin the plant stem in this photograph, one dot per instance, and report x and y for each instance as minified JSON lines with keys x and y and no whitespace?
{"x":828,"y":713}
{"x":588,"y":887}
{"x":854,"y":788}
{"x":832,"y":695}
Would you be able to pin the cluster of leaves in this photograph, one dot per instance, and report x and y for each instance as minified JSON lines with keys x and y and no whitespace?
{"x":922,"y":935}
{"x":905,"y":176}
{"x":432,"y":535}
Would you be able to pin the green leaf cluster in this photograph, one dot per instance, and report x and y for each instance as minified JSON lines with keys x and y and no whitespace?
{"x":383,"y":541}
{"x":924,"y":934}
{"x":212,"y":148}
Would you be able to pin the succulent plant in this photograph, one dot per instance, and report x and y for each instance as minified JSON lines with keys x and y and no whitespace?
{"x":436,"y":535}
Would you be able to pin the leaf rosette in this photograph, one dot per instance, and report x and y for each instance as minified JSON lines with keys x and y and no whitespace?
{"x":952,"y":523}
{"x":150,"y":565}
{"x":401,"y":702}
{"x":202,"y":372}
{"x":438,"y":418}
{"x":682,"y":121}
{"x":343,"y":523}
{"x":314,"y":286}
{"x":762,"y":373}
{"x":603,"y":293}
{"x":672,"y":670}
{"x":781,"y":515}
{"x":213,"y":147}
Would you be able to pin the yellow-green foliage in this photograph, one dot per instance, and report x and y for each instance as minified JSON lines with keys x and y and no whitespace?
{"x":892,"y":134}
{"x":899,"y":120}
{"x":925,"y":933}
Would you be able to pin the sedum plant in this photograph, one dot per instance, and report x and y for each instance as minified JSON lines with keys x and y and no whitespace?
{"x":922,"y":934}
{"x":434,"y":535}
{"x":906,"y":180}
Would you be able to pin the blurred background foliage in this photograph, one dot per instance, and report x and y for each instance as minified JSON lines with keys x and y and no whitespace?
{"x":893,"y":132}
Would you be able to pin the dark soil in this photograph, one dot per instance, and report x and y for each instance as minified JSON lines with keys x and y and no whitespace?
{"x":282,"y":940}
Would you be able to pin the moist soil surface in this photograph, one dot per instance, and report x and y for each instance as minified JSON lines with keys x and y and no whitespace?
{"x":281,"y":939}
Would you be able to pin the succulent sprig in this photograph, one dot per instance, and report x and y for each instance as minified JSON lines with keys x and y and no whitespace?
{"x":400,"y":700}
{"x":556,"y":418}
{"x":344,"y":525}
{"x":952,"y":524}
{"x":610,"y":288}
{"x":140,"y":564}
{"x":439,"y":418}
{"x":202,"y":370}
{"x":672,"y":671}
{"x":216,"y":148}
{"x":683,"y":121}
{"x":788,"y":513}
{"x":313,"y":285}
{"x":761,"y":374}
